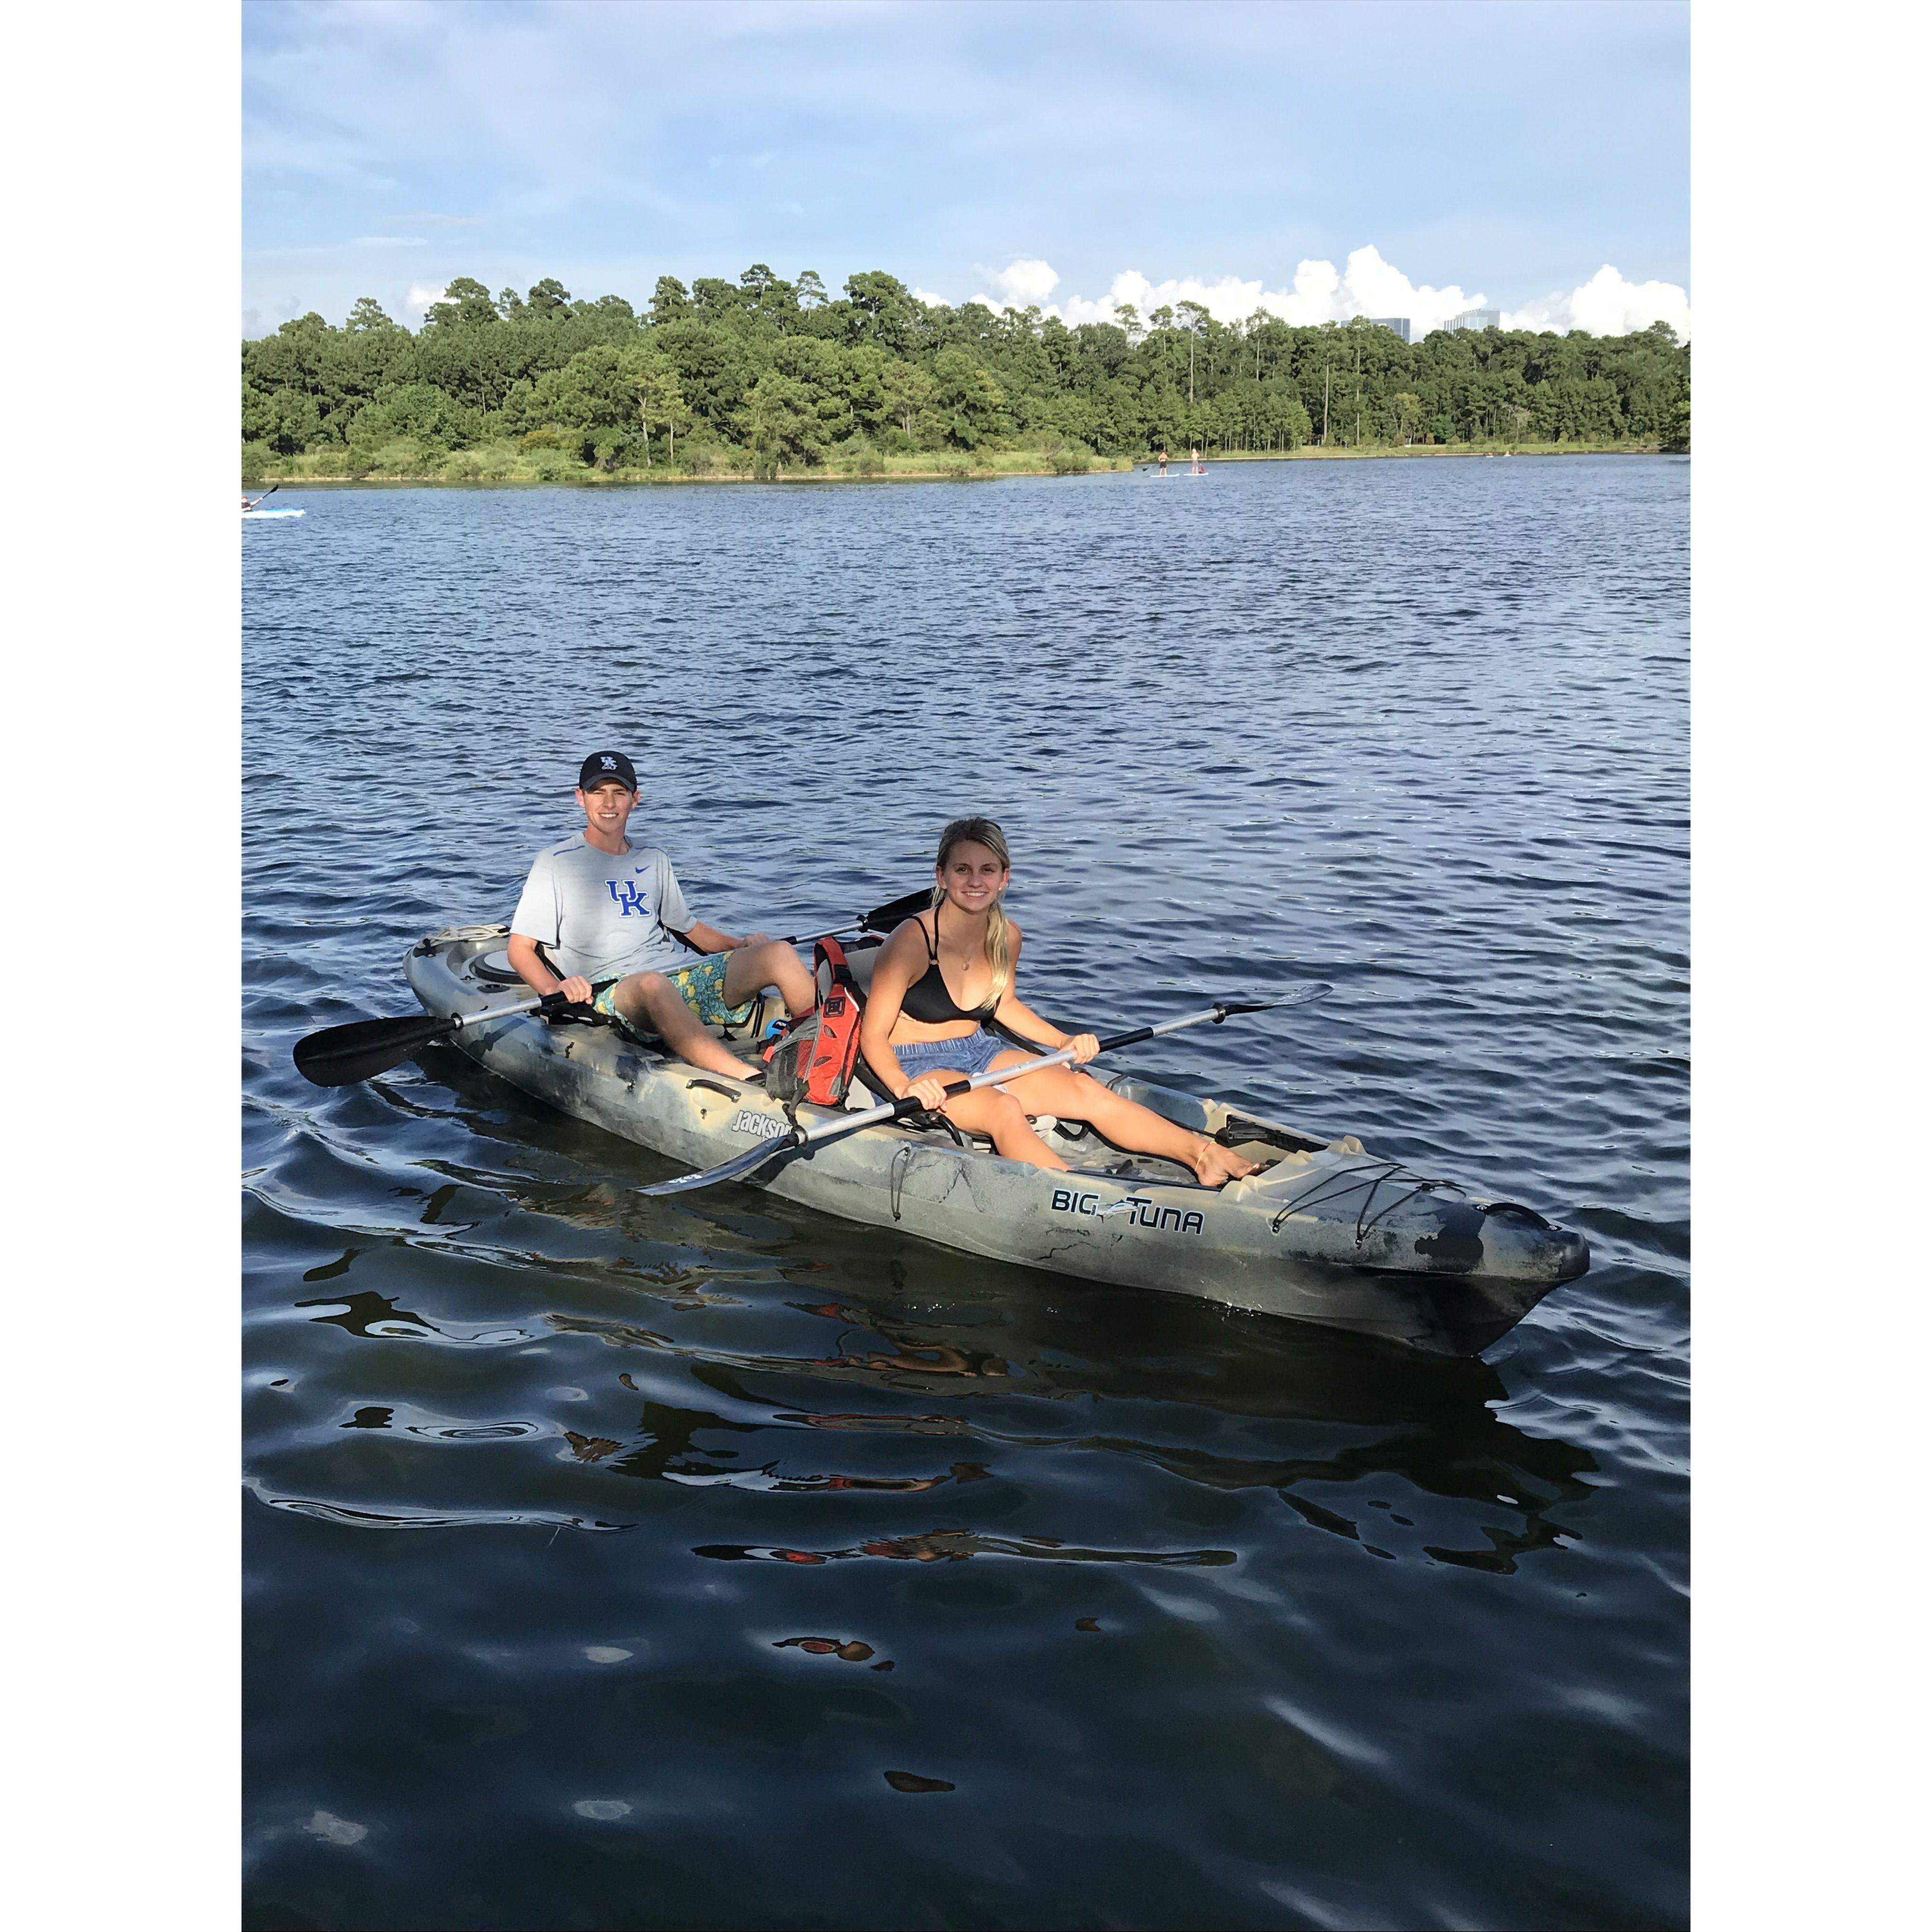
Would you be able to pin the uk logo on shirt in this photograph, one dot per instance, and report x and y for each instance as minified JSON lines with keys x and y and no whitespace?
{"x":628,"y":899}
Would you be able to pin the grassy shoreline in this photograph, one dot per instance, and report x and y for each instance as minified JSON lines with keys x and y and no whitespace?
{"x":463,"y":467}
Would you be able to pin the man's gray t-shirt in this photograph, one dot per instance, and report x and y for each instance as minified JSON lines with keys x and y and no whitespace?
{"x":604,"y":914}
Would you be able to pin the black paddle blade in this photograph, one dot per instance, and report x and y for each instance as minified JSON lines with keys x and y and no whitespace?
{"x":341,"y":1056}
{"x":1302,"y":996}
{"x":883,"y":919}
{"x":733,"y":1169}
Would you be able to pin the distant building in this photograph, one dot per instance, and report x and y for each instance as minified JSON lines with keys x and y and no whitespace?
{"x":1479,"y":318}
{"x":1399,"y":323}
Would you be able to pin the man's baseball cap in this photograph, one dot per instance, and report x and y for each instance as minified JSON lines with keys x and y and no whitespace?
{"x":601,"y":767}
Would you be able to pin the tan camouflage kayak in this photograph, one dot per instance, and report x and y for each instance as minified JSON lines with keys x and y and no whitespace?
{"x":1326,"y":1230}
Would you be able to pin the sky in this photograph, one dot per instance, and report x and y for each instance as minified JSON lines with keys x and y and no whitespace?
{"x":1411,"y":157}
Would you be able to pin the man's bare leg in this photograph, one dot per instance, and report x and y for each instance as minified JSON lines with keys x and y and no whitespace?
{"x":769,"y":962}
{"x":653,"y":1004}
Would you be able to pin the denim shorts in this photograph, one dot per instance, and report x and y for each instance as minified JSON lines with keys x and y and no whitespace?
{"x":972,"y":1054}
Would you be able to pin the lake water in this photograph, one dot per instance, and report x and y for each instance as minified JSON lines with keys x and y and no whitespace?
{"x":1201,"y":1618}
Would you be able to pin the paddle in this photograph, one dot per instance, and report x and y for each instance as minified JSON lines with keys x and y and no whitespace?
{"x":340,"y":1056}
{"x":880,"y":919}
{"x":741,"y":1165}
{"x":262,"y":498}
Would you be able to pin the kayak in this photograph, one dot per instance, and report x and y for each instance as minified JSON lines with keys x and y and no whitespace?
{"x":1326,"y":1232}
{"x":249,"y":515}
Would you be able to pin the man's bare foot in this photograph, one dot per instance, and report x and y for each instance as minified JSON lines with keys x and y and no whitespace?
{"x":1215,"y":1166}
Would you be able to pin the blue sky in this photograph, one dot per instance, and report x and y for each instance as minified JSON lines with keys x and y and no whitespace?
{"x":1383,"y":156}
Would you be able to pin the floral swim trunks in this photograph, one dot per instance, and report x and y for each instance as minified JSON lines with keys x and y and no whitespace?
{"x":701,"y":987}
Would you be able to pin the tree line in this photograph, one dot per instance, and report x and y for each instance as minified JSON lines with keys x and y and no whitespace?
{"x":765,"y":375}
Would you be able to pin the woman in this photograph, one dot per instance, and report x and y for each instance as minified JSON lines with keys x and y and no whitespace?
{"x":917,"y":1035}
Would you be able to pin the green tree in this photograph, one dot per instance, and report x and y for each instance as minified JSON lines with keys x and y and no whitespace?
{"x":969,"y":406}
{"x":910,"y":393}
{"x":779,"y":424}
{"x":466,"y":303}
{"x":661,"y":401}
{"x":715,"y":299}
{"x":876,"y":363}
{"x":883,"y":310}
{"x":417,"y":410}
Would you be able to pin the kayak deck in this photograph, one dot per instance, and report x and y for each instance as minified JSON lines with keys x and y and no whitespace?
{"x":1326,"y":1232}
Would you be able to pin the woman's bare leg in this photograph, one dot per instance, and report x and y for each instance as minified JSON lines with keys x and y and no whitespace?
{"x":1069,"y":1096}
{"x":988,"y":1111}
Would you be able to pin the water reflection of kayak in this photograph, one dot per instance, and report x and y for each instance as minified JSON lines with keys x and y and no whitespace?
{"x":249,"y":516}
{"x":1326,"y":1232}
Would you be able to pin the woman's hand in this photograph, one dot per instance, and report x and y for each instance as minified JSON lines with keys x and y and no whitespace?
{"x":929,"y":1090}
{"x":1085,"y":1046}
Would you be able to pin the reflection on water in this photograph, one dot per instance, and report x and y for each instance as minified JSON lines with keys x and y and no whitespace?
{"x":733,"y":1526}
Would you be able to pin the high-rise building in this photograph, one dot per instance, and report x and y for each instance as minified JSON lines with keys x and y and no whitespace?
{"x":1399,"y":323}
{"x":1479,"y":318}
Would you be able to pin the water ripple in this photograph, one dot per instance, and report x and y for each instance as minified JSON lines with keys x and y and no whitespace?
{"x":1179,"y":1615}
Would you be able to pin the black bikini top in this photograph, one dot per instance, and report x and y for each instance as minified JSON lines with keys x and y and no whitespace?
{"x":927,"y":1000}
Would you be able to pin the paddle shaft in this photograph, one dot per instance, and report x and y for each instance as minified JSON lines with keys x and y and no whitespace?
{"x":876,"y":920}
{"x":897,"y":1110}
{"x":265,"y":495}
{"x":741,"y":1164}
{"x":342,"y":1055}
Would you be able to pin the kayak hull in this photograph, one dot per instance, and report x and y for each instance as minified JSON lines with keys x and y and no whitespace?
{"x":262,"y":516}
{"x":1329,"y":1233}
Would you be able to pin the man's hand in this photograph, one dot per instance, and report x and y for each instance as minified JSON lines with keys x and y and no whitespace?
{"x":576,"y":989}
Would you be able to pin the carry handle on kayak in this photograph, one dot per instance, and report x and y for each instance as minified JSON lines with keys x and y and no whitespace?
{"x":739,"y":1166}
{"x":341,"y":1055}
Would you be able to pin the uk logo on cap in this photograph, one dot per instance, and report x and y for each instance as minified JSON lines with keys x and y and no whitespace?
{"x":609,"y":763}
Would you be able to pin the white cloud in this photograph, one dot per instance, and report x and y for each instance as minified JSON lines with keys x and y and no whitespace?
{"x":1368,"y":285}
{"x":931,"y":300}
{"x":416,"y":303}
{"x":1606,"y":304}
{"x":1025,"y":284}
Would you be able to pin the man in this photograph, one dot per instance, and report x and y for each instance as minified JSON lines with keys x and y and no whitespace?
{"x":604,"y":908}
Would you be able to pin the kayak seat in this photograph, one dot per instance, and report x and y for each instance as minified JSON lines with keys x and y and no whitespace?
{"x":493,"y":969}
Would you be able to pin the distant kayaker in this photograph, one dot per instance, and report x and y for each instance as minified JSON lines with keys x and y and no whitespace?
{"x":916,"y":1035}
{"x":606,"y":909}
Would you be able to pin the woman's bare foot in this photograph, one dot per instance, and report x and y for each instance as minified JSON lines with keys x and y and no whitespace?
{"x":1215,"y":1166}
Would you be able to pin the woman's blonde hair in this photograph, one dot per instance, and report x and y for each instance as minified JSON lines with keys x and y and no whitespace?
{"x":999,"y":933}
